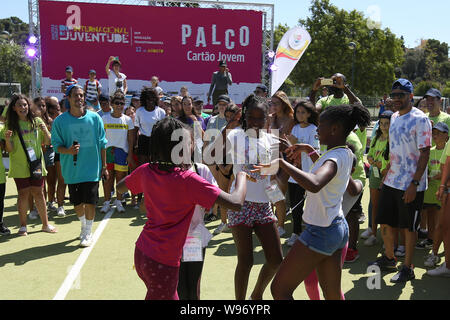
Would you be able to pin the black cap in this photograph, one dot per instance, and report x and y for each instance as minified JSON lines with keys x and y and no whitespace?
{"x":103,"y":97}
{"x":69,"y":69}
{"x":433,"y":93}
{"x":441,"y":126}
{"x":224,"y":98}
{"x":262,"y":87}
{"x":198,"y":100}
{"x":222,"y":63}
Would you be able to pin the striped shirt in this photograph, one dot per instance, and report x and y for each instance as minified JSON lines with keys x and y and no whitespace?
{"x":92,"y":90}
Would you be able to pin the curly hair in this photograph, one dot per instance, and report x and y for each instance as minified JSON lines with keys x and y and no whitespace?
{"x":149,"y":97}
{"x":348,"y":116}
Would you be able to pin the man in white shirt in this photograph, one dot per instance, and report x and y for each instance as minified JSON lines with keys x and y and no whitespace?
{"x":403,"y":187}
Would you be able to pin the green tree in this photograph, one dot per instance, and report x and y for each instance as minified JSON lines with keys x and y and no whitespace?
{"x":14,"y":66}
{"x":378,"y":53}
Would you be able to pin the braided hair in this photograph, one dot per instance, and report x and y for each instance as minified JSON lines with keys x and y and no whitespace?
{"x":161,"y":144}
{"x":253,"y":101}
{"x":348,"y":116}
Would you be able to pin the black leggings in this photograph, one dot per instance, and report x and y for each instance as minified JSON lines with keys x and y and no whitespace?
{"x":2,"y":199}
{"x":296,"y":194}
{"x":189,"y":279}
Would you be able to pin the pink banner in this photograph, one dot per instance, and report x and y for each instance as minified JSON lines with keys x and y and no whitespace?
{"x":175,"y":44}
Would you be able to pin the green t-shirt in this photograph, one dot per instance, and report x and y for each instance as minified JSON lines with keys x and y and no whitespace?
{"x":446,"y":153}
{"x":18,"y":163}
{"x":442,"y":117}
{"x":434,"y":167}
{"x":362,"y":135}
{"x":376,"y":151}
{"x":359,"y":173}
{"x":2,"y":166}
{"x":330,"y":100}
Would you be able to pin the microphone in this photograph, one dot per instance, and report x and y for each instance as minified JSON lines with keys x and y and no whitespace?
{"x":75,"y":143}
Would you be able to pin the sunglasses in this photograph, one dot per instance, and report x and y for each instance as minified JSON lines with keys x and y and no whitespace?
{"x":398,"y":95}
{"x":119,"y":103}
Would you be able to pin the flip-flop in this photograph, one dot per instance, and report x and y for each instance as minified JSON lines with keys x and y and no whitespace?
{"x":49,"y":229}
{"x":23,"y":231}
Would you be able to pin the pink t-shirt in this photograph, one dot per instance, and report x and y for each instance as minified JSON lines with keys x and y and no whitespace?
{"x":170,"y":199}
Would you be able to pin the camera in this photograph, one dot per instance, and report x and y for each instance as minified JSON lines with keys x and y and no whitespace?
{"x":119,"y":83}
{"x":326,"y":82}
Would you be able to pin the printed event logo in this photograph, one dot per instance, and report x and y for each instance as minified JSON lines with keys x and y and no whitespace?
{"x":289,"y":51}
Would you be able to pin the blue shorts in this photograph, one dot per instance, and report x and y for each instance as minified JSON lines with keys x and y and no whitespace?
{"x":326,"y":240}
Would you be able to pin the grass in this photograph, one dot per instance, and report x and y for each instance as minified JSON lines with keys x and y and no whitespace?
{"x":35,"y":266}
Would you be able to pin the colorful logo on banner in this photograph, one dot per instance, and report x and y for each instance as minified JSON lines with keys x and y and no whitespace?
{"x":181,"y":46}
{"x":290,"y":49}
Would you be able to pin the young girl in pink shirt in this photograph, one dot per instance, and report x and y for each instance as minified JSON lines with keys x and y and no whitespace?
{"x":171,"y":192}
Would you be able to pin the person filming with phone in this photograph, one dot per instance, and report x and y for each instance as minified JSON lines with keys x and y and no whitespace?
{"x":339,"y":92}
{"x":78,"y":135}
{"x":116,"y":79}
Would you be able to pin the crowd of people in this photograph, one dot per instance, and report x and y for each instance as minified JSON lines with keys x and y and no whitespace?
{"x":270,"y":157}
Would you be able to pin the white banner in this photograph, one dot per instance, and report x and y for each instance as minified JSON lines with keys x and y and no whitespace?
{"x":289,"y":51}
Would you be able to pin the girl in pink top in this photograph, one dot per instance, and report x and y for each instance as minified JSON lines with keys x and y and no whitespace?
{"x":171,"y":192}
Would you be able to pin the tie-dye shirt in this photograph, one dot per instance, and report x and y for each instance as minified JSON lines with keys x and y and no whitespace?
{"x":407,"y":135}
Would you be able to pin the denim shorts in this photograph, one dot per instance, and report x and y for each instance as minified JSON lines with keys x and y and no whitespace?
{"x":326,"y":240}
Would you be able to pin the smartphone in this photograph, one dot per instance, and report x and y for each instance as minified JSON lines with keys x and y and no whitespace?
{"x":117,"y":58}
{"x":326,"y":82}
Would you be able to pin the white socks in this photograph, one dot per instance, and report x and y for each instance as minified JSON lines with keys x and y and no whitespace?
{"x":86,"y":225}
{"x":83,"y":221}
{"x":89,"y":226}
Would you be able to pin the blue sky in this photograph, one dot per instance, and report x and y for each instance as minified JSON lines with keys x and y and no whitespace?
{"x":413,"y":19}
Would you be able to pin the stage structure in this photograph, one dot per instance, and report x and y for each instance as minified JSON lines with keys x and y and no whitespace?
{"x":181,"y":42}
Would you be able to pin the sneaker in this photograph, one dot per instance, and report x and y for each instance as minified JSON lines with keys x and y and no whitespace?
{"x":210,"y":217}
{"x":372,"y":240}
{"x":106,"y":207}
{"x":51,"y":206}
{"x":405,"y":274}
{"x":425,"y":244}
{"x":221,"y":228}
{"x":441,"y":271}
{"x":281,"y":231}
{"x":33,"y":215}
{"x":86,"y":240}
{"x":119,"y":206}
{"x":422,"y":234}
{"x":432,"y":260}
{"x":290,"y":242}
{"x":61,"y":212}
{"x":352,"y":255}
{"x":400,"y":251}
{"x":4,"y":231}
{"x":362,"y":218}
{"x":384,"y":263}
{"x":366,"y":234}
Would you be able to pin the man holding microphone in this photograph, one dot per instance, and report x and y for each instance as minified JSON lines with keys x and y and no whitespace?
{"x":79,"y":136}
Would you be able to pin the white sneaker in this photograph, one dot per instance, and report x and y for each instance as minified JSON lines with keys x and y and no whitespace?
{"x":51,"y":206}
{"x":440,"y":271}
{"x":86,"y":240}
{"x":119,"y":206}
{"x":61,"y":212}
{"x":366,"y":234}
{"x":432,"y":260}
{"x":222,"y":227}
{"x":372,"y":240}
{"x":33,"y":215}
{"x":290,"y":242}
{"x":281,"y":231}
{"x":106,"y":207}
{"x":400,"y":251}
